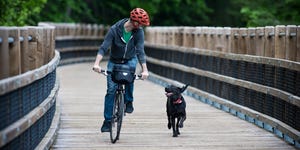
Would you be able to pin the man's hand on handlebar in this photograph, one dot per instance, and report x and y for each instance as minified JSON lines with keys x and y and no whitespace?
{"x":97,"y":68}
{"x":145,"y":74}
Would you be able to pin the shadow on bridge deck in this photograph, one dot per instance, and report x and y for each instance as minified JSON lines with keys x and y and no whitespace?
{"x":81,"y":101}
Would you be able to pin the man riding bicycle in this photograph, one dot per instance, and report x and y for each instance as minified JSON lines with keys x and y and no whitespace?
{"x":126,"y":41}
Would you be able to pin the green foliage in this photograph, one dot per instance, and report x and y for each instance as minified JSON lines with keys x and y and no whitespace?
{"x":259,"y":17}
{"x":162,"y":12}
{"x":270,"y":12}
{"x":234,"y":13}
{"x":16,"y":12}
{"x":289,"y":13}
{"x":224,"y":13}
{"x":108,"y":12}
{"x":181,"y":13}
{"x":65,"y":11}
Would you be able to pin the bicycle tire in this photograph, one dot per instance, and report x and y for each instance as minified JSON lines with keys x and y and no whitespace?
{"x":117,"y":118}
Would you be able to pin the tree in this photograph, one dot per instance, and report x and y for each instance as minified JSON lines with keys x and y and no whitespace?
{"x":182,"y":13}
{"x":162,"y":12}
{"x":108,"y":12}
{"x":224,"y":13}
{"x":65,"y":11}
{"x":234,"y":13}
{"x":16,"y":12}
{"x":270,"y":12}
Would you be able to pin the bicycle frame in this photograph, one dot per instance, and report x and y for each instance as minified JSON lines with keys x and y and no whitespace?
{"x":118,"y":109}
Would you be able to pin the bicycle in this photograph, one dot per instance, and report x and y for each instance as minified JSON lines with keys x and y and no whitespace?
{"x":121,"y":77}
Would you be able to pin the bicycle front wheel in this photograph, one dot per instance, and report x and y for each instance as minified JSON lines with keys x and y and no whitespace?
{"x":116,"y":121}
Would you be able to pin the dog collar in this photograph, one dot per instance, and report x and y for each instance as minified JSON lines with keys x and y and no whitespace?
{"x":178,"y":101}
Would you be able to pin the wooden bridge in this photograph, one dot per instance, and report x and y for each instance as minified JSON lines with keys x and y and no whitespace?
{"x":81,"y":102}
{"x":244,"y":88}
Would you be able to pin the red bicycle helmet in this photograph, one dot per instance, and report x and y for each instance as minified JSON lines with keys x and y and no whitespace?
{"x":141,"y":16}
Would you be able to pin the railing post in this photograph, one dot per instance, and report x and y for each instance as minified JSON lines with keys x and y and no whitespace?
{"x":219,"y":34}
{"x":252,"y":38}
{"x":163,"y":35}
{"x":49,"y":43}
{"x":14,"y":52}
{"x":158,"y":35}
{"x":269,"y":41}
{"x":25,"y":59}
{"x":89,"y":30}
{"x":260,"y":40}
{"x":94,"y":29}
{"x":32,"y":49}
{"x":197,"y":37}
{"x":178,"y":36}
{"x":155,"y":35}
{"x":234,"y":40}
{"x":291,"y":42}
{"x":170,"y":36}
{"x":4,"y":53}
{"x":52,"y":42}
{"x":188,"y":36}
{"x":46,"y":44}
{"x":200,"y":37}
{"x":211,"y":38}
{"x":58,"y":30}
{"x":203,"y":38}
{"x":72,"y":29}
{"x":243,"y":41}
{"x":227,"y":39}
{"x":40,"y":47}
{"x":280,"y":32}
{"x":148,"y":34}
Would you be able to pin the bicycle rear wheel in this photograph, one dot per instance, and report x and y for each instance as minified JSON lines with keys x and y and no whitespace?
{"x":116,"y":121}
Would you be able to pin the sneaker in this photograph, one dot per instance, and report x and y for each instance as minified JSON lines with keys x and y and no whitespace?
{"x":106,"y":126}
{"x":129,"y":108}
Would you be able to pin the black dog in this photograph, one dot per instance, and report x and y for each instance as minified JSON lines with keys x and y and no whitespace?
{"x":175,"y":107}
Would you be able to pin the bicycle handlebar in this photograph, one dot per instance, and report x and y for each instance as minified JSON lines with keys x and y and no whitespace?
{"x":105,"y":72}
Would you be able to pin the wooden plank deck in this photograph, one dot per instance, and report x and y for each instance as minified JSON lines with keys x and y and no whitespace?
{"x":81,"y":97}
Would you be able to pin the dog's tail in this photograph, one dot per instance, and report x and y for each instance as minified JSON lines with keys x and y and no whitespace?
{"x":184,"y":88}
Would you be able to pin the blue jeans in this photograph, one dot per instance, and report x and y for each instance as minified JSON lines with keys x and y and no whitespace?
{"x":112,"y":87}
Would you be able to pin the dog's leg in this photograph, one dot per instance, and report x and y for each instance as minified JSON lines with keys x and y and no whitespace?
{"x":168,"y":107}
{"x":175,"y":134}
{"x":169,"y":122}
{"x":177,"y":125}
{"x":182,"y":119}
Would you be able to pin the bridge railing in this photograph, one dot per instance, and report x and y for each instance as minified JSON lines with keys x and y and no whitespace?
{"x":275,"y":42}
{"x":24,"y":49}
{"x":262,"y":90}
{"x":78,"y":42}
{"x":28,"y":86}
{"x":28,"y":83}
{"x":252,"y":73}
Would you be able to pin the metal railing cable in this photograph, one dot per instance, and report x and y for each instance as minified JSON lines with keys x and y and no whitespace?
{"x":12,"y":40}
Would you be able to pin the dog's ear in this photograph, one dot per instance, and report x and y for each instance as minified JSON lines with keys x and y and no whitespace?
{"x":184,"y":88}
